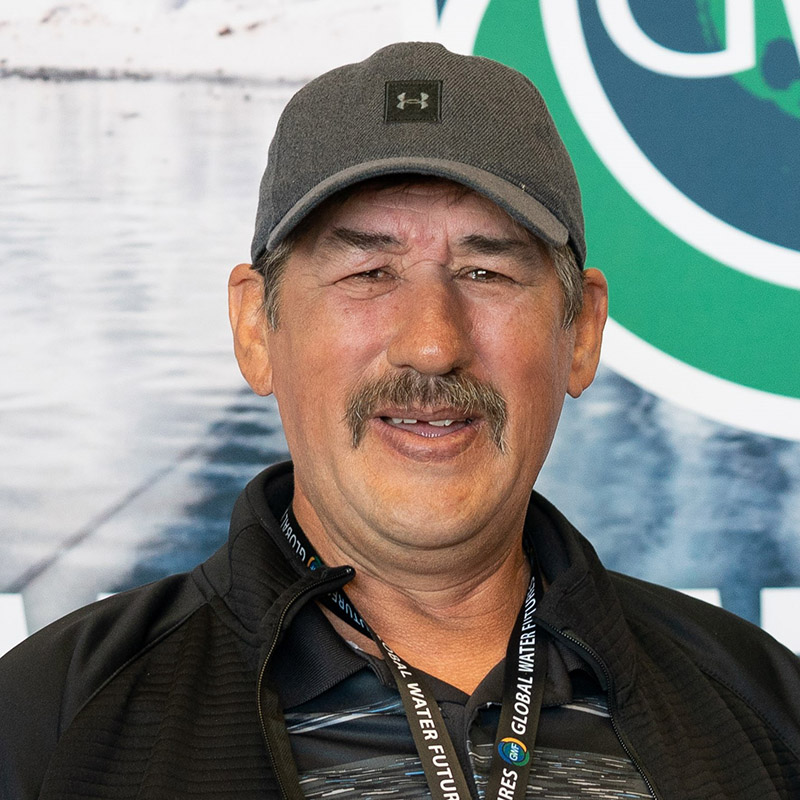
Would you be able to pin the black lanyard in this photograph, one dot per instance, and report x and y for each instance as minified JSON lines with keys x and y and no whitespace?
{"x":523,"y":688}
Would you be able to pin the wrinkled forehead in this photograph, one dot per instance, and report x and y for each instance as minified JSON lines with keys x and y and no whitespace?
{"x":364,"y":200}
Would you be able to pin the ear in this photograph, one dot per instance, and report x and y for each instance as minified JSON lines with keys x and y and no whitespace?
{"x":588,"y":328}
{"x":249,"y":326}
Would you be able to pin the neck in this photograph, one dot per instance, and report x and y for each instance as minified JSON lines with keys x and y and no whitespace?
{"x":451,"y":617}
{"x":457,"y":634}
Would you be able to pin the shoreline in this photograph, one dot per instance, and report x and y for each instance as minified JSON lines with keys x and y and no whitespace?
{"x":259,"y":43}
{"x":76,"y":74}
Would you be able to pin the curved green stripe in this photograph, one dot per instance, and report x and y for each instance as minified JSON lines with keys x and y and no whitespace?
{"x":663,"y":290}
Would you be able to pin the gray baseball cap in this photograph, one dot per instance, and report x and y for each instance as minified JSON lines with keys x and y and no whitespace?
{"x":417,"y":108}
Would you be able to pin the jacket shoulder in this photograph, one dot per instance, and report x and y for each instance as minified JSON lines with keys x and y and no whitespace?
{"x":46,"y":679}
{"x":728,"y":649}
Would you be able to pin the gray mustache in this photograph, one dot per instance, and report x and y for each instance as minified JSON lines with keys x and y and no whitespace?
{"x":410,"y":389}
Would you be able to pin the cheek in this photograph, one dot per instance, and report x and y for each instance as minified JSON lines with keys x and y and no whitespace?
{"x":527,"y":356}
{"x":521,"y":342}
{"x":346,"y":343}
{"x":317,"y":361}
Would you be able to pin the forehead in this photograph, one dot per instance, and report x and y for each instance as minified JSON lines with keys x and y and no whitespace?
{"x":407,"y":205}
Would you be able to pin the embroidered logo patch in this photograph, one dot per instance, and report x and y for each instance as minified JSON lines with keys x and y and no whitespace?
{"x":413,"y":101}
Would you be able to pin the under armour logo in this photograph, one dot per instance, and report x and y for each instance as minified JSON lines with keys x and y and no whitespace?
{"x":412,"y":101}
{"x":421,"y":101}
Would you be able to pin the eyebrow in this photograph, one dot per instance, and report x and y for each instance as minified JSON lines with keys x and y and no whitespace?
{"x":494,"y":246}
{"x":361,"y":240}
{"x":475,"y":243}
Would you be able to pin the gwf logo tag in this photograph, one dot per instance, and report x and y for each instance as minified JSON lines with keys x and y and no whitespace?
{"x":412,"y":101}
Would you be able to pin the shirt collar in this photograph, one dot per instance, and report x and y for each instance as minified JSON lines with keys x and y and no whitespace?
{"x":311,"y":658}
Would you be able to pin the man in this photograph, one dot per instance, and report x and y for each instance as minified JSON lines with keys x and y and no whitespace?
{"x":396,"y":614}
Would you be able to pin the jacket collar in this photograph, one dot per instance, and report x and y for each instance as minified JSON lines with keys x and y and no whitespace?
{"x":581,"y":602}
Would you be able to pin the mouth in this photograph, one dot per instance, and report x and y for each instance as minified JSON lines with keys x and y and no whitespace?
{"x":427,"y":435}
{"x":428,"y":425}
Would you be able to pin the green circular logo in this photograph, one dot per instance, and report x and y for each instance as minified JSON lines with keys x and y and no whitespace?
{"x":682,"y":120}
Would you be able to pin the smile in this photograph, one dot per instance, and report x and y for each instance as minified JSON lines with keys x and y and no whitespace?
{"x":430,"y":428}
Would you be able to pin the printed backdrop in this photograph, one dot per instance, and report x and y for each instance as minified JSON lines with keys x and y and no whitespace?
{"x":125,"y":431}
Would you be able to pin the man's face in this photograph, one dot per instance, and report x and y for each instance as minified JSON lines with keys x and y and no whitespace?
{"x":420,"y":364}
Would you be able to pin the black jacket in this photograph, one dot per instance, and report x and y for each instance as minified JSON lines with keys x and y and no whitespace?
{"x":164,"y":691}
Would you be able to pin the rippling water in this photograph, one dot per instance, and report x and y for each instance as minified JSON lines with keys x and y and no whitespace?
{"x":123,"y":207}
{"x":126,"y":431}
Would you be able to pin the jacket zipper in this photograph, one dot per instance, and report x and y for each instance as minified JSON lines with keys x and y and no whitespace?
{"x":318,"y":587}
{"x":611,"y":702}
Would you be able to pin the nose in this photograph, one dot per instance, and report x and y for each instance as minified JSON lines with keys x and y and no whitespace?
{"x":432,"y":333}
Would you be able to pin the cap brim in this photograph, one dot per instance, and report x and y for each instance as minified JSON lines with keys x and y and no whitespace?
{"x":528,"y":211}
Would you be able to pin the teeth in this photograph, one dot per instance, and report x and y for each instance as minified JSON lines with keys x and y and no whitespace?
{"x":439,"y":423}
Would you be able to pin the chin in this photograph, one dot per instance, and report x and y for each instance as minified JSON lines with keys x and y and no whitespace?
{"x":426,"y":522}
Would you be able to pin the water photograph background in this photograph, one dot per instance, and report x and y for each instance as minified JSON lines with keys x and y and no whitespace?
{"x":126,"y":431}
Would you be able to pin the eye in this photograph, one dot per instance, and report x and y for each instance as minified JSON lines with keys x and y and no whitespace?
{"x":368,"y":282}
{"x":367,"y":276}
{"x":482,"y":275}
{"x":371,"y":275}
